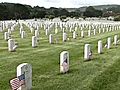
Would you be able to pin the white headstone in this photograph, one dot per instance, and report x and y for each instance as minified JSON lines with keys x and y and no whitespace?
{"x":50,"y":38}
{"x":109,"y":43}
{"x":9,"y":31}
{"x":46,"y":32}
{"x":74,"y":34}
{"x":115,"y":39}
{"x":56,"y":30}
{"x":64,"y":62}
{"x":82,"y":33}
{"x":34,"y":41}
{"x":64,"y":37}
{"x":37,"y":33}
{"x":99,"y":30}
{"x":87,"y":52}
{"x":6,"y":36}
{"x":23,"y":34}
{"x":11,"y":45}
{"x":94,"y":32}
{"x":99,"y":46}
{"x":25,"y":69}
{"x":21,"y":29}
{"x":89,"y":32}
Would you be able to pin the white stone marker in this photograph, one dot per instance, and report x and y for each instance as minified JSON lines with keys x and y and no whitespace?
{"x":64,"y":62}
{"x":64,"y":37}
{"x":82,"y":34}
{"x":46,"y":32}
{"x":99,"y":30}
{"x":6,"y":36}
{"x":89,"y":32}
{"x":31,"y":29}
{"x":21,"y":29}
{"x":103,"y":30}
{"x":34,"y":41}
{"x":87,"y":52}
{"x":115,"y":39}
{"x":23,"y":34}
{"x":94,"y":31}
{"x":37,"y":33}
{"x":9,"y":31}
{"x":25,"y":69}
{"x":51,"y":39}
{"x":56,"y":30}
{"x":109,"y":43}
{"x":74,"y":35}
{"x":99,"y":46}
{"x":11,"y":45}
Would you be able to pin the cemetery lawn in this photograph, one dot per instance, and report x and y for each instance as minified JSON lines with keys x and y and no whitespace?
{"x":101,"y":73}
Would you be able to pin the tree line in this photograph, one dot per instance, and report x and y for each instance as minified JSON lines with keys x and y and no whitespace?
{"x":10,"y":11}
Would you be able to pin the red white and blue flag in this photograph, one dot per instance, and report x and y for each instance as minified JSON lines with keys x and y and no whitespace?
{"x":17,"y":82}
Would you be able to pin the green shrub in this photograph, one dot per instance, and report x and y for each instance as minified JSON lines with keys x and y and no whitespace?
{"x":117,"y":18}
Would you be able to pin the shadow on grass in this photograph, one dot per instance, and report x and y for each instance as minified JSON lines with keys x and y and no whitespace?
{"x":69,"y":72}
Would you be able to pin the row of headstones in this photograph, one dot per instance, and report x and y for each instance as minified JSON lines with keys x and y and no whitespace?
{"x":87,"y":50}
{"x":12,"y":46}
{"x":7,"y":25}
{"x":22,"y":33}
{"x":70,"y":24}
{"x":73,"y":26}
{"x":64,"y":56}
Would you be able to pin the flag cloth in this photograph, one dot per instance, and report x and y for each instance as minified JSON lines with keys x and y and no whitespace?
{"x":17,"y":82}
{"x":65,"y":66}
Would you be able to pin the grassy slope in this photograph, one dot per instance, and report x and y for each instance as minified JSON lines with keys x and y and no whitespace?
{"x":102,"y":73}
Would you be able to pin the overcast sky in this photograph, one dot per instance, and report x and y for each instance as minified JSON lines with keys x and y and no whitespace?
{"x":63,"y":3}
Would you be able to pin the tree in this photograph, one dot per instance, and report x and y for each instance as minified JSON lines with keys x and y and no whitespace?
{"x":92,"y":12}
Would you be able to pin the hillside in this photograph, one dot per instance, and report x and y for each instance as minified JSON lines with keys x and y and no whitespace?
{"x":99,"y":7}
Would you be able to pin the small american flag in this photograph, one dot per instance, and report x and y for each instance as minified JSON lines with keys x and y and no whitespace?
{"x":65,"y":66}
{"x":17,"y":82}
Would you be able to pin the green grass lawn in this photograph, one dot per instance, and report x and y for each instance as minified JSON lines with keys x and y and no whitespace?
{"x":101,"y":73}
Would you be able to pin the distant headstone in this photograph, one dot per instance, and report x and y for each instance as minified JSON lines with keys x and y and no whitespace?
{"x":82,"y":34}
{"x":89,"y":32}
{"x":109,"y":43}
{"x":99,"y":46}
{"x":56,"y":30}
{"x":74,"y":35}
{"x":99,"y":30}
{"x":25,"y":69}
{"x":46,"y":32}
{"x":34,"y":41}
{"x":23,"y":34}
{"x":64,"y":62}
{"x":64,"y":37}
{"x":9,"y":31}
{"x":87,"y":52}
{"x":11,"y":45}
{"x":51,"y":39}
{"x":6,"y":36}
{"x":115,"y":39}
{"x":37,"y":33}
{"x":94,"y":31}
{"x":21,"y":29}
